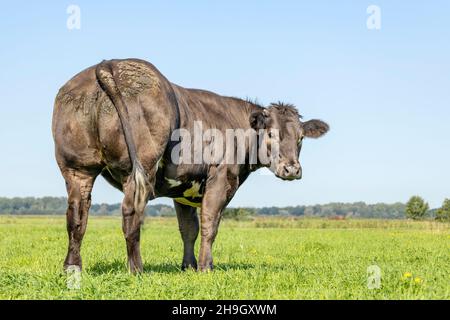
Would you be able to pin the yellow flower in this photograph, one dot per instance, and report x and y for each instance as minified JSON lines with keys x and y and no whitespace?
{"x":418,"y":280}
{"x":407,"y":275}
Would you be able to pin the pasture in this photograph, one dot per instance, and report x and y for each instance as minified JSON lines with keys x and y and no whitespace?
{"x":263,"y":258}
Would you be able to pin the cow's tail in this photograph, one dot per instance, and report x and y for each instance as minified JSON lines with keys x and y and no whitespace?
{"x":108,"y":81}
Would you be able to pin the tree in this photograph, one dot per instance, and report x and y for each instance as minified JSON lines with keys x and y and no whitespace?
{"x":443,"y":213}
{"x":416,"y":208}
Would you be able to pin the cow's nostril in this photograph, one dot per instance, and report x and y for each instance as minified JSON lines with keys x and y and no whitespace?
{"x":286,"y":170}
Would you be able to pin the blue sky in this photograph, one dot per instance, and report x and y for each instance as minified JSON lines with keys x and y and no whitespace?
{"x":385,"y":93}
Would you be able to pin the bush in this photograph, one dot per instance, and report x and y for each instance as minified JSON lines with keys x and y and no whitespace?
{"x":237,"y":213}
{"x":443,"y":213}
{"x":416,"y":208}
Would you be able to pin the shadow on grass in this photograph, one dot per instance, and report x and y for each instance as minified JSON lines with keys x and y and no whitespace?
{"x":103,"y":267}
{"x":233,"y":266}
{"x":119,"y":266}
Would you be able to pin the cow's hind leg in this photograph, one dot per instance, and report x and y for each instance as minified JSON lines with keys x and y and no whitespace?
{"x":79,"y":186}
{"x":133,"y":207}
{"x":189,"y":228}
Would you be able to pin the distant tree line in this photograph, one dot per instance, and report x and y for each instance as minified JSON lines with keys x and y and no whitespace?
{"x":416,"y":208}
{"x":58,"y":205}
{"x":357,"y":209}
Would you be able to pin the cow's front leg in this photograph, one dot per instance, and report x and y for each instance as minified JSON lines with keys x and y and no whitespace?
{"x":189,"y":227}
{"x":220,"y":187}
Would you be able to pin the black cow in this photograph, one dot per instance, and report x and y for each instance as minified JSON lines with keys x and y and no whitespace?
{"x":124,"y":120}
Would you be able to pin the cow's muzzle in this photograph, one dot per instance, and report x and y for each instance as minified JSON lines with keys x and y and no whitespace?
{"x":289,"y":171}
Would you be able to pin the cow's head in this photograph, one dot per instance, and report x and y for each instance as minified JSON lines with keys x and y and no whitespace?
{"x":282,"y":136}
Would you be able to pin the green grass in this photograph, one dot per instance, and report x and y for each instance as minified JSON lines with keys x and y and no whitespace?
{"x":265,"y":258}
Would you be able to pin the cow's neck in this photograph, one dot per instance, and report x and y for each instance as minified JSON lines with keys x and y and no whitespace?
{"x":215,"y":111}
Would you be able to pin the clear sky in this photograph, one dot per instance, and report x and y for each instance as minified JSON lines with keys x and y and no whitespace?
{"x":385,"y":93}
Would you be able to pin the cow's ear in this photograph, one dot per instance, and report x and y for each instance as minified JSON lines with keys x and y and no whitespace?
{"x":315,"y":128}
{"x":258,"y":119}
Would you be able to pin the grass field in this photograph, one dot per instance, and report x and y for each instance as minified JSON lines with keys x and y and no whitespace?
{"x":266,"y":258}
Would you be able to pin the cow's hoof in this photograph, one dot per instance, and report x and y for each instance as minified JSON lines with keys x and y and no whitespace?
{"x":72,"y":268}
{"x":205,"y":268}
{"x":136,"y":269}
{"x":189,"y":266}
{"x":72,"y":263}
{"x":72,"y":260}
